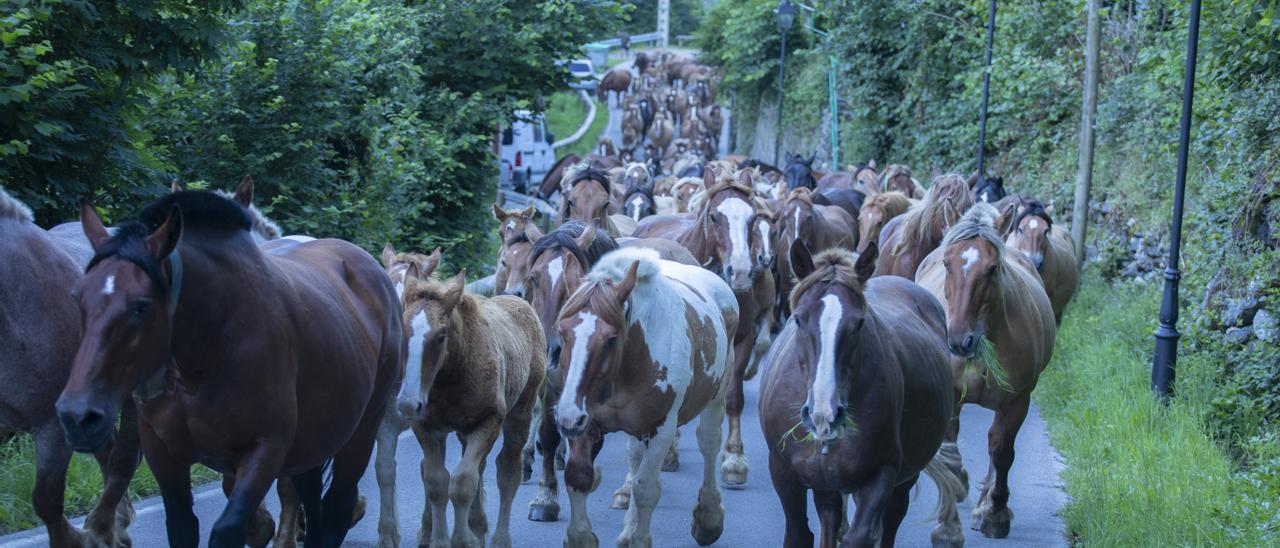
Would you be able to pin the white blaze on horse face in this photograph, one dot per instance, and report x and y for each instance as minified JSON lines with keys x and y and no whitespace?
{"x":511,"y":225}
{"x":555,"y":269}
{"x":824,"y":381}
{"x":739,"y":214}
{"x":1033,"y":224}
{"x":970,"y":256}
{"x":795,"y":227}
{"x":110,"y":286}
{"x":413,"y":366}
{"x":765,"y":243}
{"x":568,"y":410}
{"x":636,"y":203}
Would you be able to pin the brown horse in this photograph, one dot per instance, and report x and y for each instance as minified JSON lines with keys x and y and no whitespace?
{"x":876,"y":211}
{"x":587,"y":196}
{"x":662,"y":131}
{"x":617,"y":80}
{"x":513,"y":262}
{"x":871,"y":386}
{"x":39,"y":332}
{"x":648,"y":348}
{"x":898,"y":178}
{"x":1001,"y":330}
{"x":905,"y":240}
{"x":819,"y":227}
{"x":1051,"y":250}
{"x":260,"y":401}
{"x":720,"y":236}
{"x":481,"y":363}
{"x":684,"y":190}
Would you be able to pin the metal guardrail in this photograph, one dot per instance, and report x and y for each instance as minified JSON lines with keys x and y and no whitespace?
{"x":586,"y":122}
{"x":635,"y":39}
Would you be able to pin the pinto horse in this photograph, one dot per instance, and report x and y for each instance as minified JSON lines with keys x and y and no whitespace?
{"x":39,"y":332}
{"x":877,"y":211}
{"x":1001,"y":329}
{"x":268,"y":397}
{"x":482,"y":364}
{"x":908,"y":238}
{"x":649,"y":345}
{"x":1051,"y":250}
{"x":819,"y":227}
{"x":863,"y":367}
{"x":720,"y":237}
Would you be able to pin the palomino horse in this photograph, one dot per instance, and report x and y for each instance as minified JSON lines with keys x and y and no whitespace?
{"x":719,"y":236}
{"x":648,"y":350}
{"x":1001,"y":330}
{"x":899,"y":178}
{"x":267,"y":398}
{"x":481,"y":363}
{"x":1051,"y":250}
{"x":819,"y":227}
{"x":906,"y":239}
{"x":871,"y":386}
{"x":876,"y":211}
{"x":39,"y":332}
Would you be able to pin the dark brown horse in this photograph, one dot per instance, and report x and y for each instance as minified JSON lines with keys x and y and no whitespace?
{"x":819,"y":227}
{"x":898,"y":178}
{"x":617,"y":80}
{"x":268,"y":397}
{"x":1001,"y":330}
{"x":39,"y":333}
{"x":648,"y":351}
{"x":908,"y":238}
{"x":856,"y":398}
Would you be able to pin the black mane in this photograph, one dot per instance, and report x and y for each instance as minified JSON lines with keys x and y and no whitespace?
{"x":1035,"y":208}
{"x":565,"y":236}
{"x":590,"y":173}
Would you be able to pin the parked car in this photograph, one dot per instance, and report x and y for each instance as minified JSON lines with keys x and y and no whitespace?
{"x":583,"y":75}
{"x":526,"y":151}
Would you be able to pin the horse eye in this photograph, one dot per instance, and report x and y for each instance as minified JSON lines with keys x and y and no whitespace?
{"x":441,"y":335}
{"x":141,"y":308}
{"x":612,"y":341}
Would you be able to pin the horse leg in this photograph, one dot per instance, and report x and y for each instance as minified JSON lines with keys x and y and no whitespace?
{"x":995,"y":517}
{"x":896,"y":510}
{"x":466,"y":481}
{"x":581,"y":477}
{"x":479,"y":517}
{"x":385,"y":468}
{"x":546,"y":506}
{"x":305,"y":492}
{"x":342,"y":498}
{"x":253,"y":478}
{"x":515,"y":431}
{"x":531,"y":445}
{"x":734,"y":466}
{"x":174,"y":480}
{"x":646,"y":488}
{"x":435,"y":479}
{"x":952,"y":448}
{"x":764,"y":338}
{"x":795,"y":507}
{"x":261,"y":527}
{"x":622,"y":497}
{"x":830,"y":506}
{"x":871,"y":500}
{"x":292,"y":517}
{"x":53,"y":455}
{"x":110,"y":518}
{"x":708,"y":515}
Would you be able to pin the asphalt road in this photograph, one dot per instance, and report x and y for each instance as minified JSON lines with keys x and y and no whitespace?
{"x":753,"y":515}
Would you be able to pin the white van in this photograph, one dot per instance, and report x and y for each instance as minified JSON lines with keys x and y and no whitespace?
{"x":525,"y":149}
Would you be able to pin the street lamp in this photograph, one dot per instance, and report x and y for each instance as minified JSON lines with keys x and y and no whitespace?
{"x":1166,"y":356}
{"x":786,"y":13}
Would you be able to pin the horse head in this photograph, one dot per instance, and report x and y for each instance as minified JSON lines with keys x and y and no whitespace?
{"x":799,"y":172}
{"x":513,"y":262}
{"x":431,"y":309}
{"x":727,"y":216}
{"x":396,"y":264}
{"x":829,"y":308}
{"x":1031,"y":232}
{"x":973,"y":255}
{"x":875,"y":213}
{"x":588,"y":196}
{"x":989,"y":190}
{"x":558,"y":264}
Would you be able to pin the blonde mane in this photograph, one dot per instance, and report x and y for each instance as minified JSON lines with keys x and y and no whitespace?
{"x":978,"y":222}
{"x":943,"y":204}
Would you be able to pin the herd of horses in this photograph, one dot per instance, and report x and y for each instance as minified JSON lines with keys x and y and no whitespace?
{"x":870,"y":306}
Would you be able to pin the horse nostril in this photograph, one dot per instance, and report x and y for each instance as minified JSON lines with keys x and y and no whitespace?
{"x":805,"y":416}
{"x":580,"y":422}
{"x":420,"y":409}
{"x":840,"y":413}
{"x":90,"y":421}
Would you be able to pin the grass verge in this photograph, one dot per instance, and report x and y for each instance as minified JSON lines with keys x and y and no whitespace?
{"x":565,"y":113}
{"x":1140,"y":473}
{"x":84,"y":484}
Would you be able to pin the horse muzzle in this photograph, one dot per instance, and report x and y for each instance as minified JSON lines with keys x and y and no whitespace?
{"x":411,"y":409}
{"x":571,"y":421}
{"x":88,"y":427}
{"x":965,"y":346}
{"x":825,"y":423}
{"x":1037,"y":259}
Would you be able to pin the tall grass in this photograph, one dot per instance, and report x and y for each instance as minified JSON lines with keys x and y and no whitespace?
{"x":1139,"y":473}
{"x":565,"y":114}
{"x":84,"y":484}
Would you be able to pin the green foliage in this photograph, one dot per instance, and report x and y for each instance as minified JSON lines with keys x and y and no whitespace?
{"x":642,"y":16}
{"x":741,"y":39}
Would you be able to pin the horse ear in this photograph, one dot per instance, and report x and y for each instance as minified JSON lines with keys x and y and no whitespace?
{"x":244,"y":192}
{"x":622,"y":289}
{"x":457,"y":286}
{"x":498,"y":213}
{"x":528,"y":211}
{"x":871,"y":163}
{"x":412,"y":272}
{"x":809,"y":162}
{"x":708,"y":177}
{"x":866,"y":265}
{"x":588,"y":235}
{"x":430,"y":265}
{"x":162,"y":242}
{"x":176,"y":185}
{"x":801,"y":260}
{"x":1049,"y":209}
{"x":744,"y":178}
{"x":388,"y":255}
{"x":532,"y":232}
{"x":92,"y":225}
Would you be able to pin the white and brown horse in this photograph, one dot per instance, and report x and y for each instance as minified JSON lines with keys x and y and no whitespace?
{"x":1001,"y":330}
{"x":856,"y":399}
{"x":648,"y":350}
{"x":481,"y":363}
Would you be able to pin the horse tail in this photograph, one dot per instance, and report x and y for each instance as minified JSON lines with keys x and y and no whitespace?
{"x":950,"y":489}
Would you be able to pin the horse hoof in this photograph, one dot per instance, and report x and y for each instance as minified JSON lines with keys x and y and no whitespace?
{"x":672,"y":462}
{"x":945,"y":536}
{"x":261,"y":528}
{"x":733,"y":470}
{"x":707,"y":529}
{"x":549,"y":511}
{"x":620,"y":501}
{"x":994,"y":524}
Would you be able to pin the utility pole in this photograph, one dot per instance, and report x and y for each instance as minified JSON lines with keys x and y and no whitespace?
{"x":1084,"y":175}
{"x":664,"y":22}
{"x":986,"y":94}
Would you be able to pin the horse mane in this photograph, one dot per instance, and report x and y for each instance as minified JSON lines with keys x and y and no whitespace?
{"x":637,"y":190}
{"x":265,"y":227}
{"x":596,"y":292}
{"x":566,"y":237}
{"x":943,"y":204}
{"x":12,"y":208}
{"x":834,"y":266}
{"x":702,"y":200}
{"x":586,"y":172}
{"x":802,"y":194}
{"x":892,"y":203}
{"x":978,"y":222}
{"x":895,"y":170}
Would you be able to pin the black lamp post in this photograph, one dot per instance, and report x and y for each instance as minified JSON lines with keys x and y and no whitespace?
{"x":786,"y":17}
{"x":986,"y":94}
{"x":1166,"y":356}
